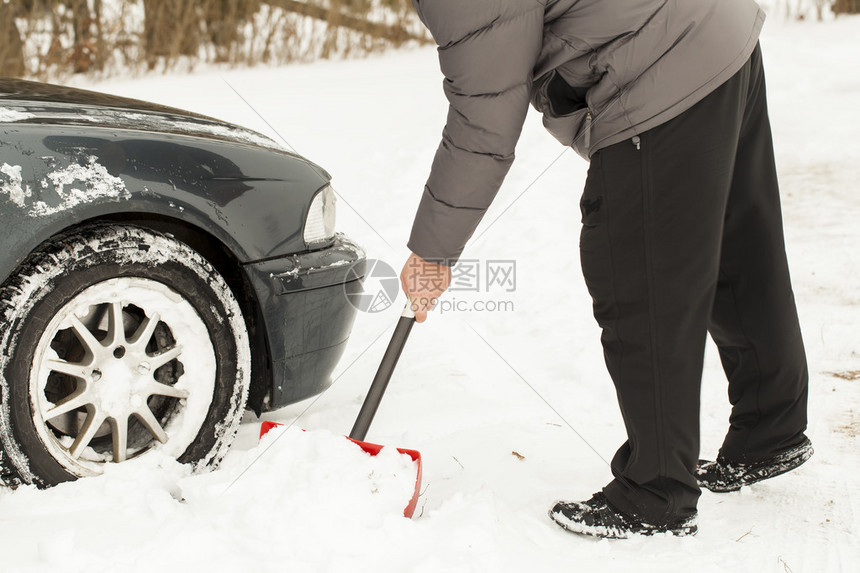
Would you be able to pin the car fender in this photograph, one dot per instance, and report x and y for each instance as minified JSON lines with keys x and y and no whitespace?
{"x":254,"y":200}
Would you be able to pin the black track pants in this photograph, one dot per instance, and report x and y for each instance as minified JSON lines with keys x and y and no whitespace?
{"x":682,"y":235}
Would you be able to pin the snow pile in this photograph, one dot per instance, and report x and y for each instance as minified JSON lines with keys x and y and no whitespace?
{"x":312,"y":496}
{"x":321,"y":477}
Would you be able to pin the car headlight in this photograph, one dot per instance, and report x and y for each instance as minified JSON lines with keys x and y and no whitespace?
{"x":319,"y":225}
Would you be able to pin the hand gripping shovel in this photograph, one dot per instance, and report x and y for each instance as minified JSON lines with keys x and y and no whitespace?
{"x":374,"y":397}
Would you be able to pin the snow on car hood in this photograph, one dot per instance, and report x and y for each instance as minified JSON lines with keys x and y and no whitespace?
{"x":36,"y":102}
{"x":74,"y":185}
{"x":9,"y":115}
{"x":68,"y":114}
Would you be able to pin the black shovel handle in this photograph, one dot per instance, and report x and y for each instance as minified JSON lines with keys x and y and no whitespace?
{"x":383,"y":375}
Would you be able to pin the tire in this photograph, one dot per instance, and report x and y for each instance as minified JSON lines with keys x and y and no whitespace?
{"x":117,"y":342}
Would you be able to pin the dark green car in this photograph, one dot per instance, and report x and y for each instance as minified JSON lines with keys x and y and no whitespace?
{"x":161,"y":271}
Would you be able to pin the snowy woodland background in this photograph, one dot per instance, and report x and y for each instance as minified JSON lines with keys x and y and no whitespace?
{"x":55,"y":38}
{"x":52,"y":39}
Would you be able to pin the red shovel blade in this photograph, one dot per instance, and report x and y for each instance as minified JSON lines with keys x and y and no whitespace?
{"x":374,"y":449}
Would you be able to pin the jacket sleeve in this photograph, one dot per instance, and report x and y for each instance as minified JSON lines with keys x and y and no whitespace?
{"x":487,"y":51}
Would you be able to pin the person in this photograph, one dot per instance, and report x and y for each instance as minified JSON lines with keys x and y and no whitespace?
{"x":681,"y":224}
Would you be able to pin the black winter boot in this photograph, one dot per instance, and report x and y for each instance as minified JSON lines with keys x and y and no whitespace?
{"x":724,"y":476}
{"x":598,"y":518}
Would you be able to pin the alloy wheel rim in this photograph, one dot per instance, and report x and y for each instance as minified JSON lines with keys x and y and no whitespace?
{"x":125,"y":367}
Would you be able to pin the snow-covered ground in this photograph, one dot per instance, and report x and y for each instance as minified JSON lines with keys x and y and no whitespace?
{"x":511,"y":409}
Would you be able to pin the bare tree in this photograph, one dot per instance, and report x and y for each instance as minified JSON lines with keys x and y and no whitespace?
{"x":84,"y":51}
{"x":11,"y":46}
{"x":846,"y":7}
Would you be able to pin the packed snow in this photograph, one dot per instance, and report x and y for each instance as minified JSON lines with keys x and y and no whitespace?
{"x":76,"y":184}
{"x":511,"y":409}
{"x":11,"y":184}
{"x":166,"y":519}
{"x":10,"y":115}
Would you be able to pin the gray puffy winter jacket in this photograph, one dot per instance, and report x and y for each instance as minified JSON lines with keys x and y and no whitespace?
{"x":600,"y":71}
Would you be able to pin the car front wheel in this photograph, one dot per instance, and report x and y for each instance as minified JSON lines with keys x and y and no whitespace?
{"x":117,"y":341}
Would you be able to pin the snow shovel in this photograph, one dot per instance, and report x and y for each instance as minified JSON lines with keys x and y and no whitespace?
{"x":374,"y":397}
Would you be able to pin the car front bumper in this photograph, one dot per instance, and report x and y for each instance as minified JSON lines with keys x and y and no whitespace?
{"x":307,"y":316}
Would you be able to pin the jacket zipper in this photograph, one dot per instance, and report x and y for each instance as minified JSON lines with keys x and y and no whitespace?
{"x":587,"y":131}
{"x":637,"y":142}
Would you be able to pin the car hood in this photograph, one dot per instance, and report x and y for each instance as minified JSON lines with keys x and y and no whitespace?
{"x":35,"y":102}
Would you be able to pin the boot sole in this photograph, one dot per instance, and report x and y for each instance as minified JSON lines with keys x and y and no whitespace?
{"x":604,"y":532}
{"x":756,"y":474}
